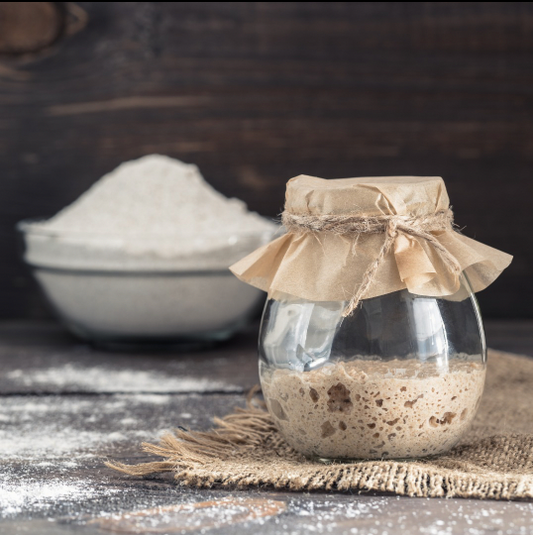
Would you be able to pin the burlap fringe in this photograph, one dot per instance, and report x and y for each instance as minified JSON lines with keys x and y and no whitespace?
{"x":244,"y":449}
{"x":246,"y":428}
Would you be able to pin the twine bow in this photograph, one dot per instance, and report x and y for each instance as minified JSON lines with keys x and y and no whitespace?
{"x":419,"y":226}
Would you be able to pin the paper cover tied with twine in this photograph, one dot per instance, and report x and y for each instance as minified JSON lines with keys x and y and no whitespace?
{"x":354,"y":238}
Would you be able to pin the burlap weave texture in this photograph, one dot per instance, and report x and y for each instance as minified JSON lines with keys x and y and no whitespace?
{"x":244,"y":450}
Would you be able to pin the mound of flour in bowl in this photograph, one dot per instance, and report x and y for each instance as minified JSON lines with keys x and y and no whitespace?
{"x":143,"y":256}
{"x":157,"y":208}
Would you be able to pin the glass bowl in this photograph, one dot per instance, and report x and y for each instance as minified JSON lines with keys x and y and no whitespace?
{"x":116,"y":291}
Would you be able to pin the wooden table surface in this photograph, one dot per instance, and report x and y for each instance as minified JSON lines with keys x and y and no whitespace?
{"x":67,"y":407}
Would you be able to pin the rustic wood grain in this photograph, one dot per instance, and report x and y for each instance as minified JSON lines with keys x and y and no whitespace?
{"x":255,"y":93}
{"x":42,"y":358}
{"x":54,"y":441}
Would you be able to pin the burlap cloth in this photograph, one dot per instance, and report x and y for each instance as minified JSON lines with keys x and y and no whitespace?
{"x":244,"y":450}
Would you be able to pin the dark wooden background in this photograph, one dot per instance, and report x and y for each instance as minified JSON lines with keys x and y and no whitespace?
{"x":255,"y":93}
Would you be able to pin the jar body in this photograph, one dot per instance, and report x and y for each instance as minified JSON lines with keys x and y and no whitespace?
{"x":402,"y":377}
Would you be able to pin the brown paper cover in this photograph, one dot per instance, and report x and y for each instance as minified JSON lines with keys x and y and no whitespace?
{"x":323,"y":266}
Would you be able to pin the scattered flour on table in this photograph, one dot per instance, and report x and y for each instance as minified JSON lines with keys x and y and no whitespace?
{"x":102,"y":380}
{"x":44,"y":440}
{"x":53,"y":448}
{"x":60,"y":427}
{"x":317,"y":513}
{"x":25,"y":494}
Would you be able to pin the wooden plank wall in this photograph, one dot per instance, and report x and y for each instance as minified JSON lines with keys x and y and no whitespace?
{"x":255,"y":93}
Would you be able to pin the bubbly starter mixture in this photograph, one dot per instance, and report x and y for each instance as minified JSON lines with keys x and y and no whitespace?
{"x":374,"y":409}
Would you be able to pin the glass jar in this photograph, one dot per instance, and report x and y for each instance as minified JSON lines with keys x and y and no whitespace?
{"x":371,"y":343}
{"x":401,"y":377}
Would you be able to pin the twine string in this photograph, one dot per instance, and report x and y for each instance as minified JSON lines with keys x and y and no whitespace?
{"x":419,"y":226}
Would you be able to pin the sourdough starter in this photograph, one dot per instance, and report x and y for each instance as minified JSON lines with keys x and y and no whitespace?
{"x":374,"y":409}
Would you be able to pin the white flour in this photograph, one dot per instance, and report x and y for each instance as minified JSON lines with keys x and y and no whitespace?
{"x":103,"y":380}
{"x":65,"y":427}
{"x":72,"y":483}
{"x":153,"y":241}
{"x":27,"y":494}
{"x":43,"y":440}
{"x":53,"y":447}
{"x":158,"y":205}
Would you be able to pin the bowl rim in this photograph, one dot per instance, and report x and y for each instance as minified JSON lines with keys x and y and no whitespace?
{"x":31,"y":226}
{"x":27,"y":227}
{"x":115,"y":272}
